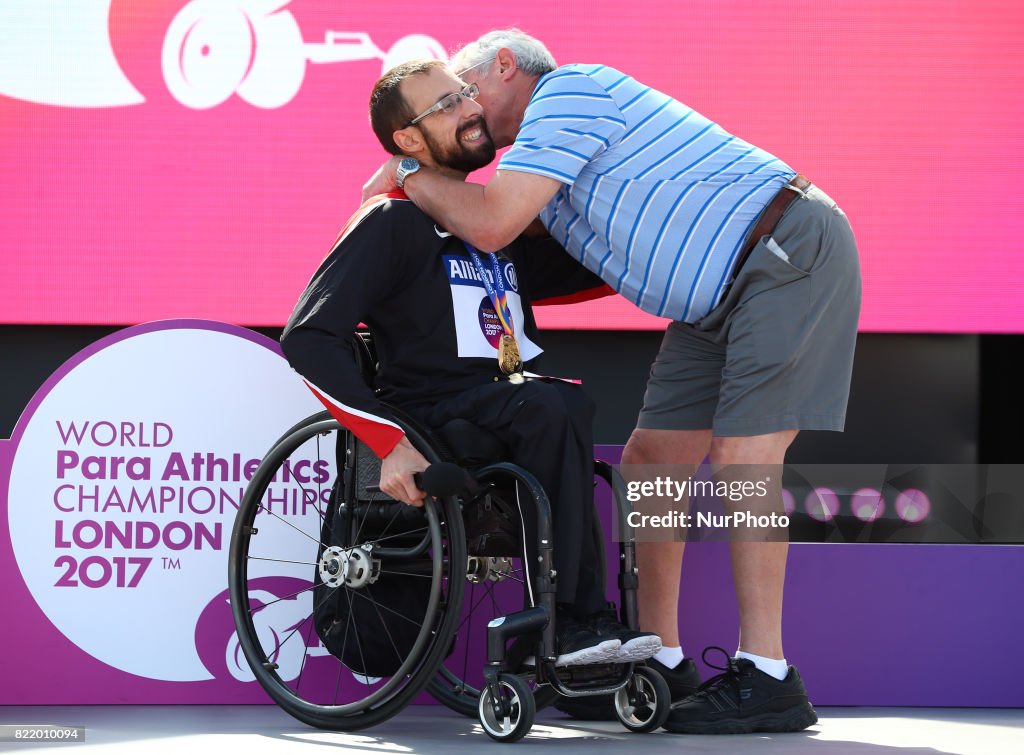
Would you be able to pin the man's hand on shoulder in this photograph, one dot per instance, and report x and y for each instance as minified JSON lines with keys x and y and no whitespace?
{"x":383,"y":180}
{"x":396,"y":471}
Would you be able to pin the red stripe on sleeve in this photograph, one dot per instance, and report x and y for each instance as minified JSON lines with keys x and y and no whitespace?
{"x":380,"y":436}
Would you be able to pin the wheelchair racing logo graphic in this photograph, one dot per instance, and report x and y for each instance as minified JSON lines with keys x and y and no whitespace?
{"x":282,"y":621}
{"x":211,"y":50}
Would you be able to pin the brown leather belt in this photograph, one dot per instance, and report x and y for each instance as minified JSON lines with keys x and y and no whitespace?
{"x":769,"y":217}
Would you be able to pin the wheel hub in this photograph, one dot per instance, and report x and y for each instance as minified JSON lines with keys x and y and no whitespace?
{"x":352,"y":567}
{"x":480,"y":569}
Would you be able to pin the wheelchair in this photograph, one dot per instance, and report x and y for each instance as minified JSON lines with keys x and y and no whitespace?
{"x":348,"y":604}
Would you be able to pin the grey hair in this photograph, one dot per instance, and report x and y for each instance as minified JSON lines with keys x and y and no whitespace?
{"x":532,"y":56}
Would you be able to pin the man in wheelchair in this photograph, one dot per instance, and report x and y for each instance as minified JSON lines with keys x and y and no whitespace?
{"x":454,"y":333}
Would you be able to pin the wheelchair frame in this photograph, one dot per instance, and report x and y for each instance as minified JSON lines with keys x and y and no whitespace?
{"x":505,"y":704}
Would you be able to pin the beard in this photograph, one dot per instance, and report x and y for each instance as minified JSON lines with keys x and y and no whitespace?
{"x":461,"y":156}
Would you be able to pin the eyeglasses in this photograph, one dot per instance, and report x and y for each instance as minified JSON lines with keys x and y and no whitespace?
{"x":448,"y":104}
{"x":485,"y":61}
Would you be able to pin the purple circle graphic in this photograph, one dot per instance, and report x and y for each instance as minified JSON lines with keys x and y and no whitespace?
{"x":867,"y":504}
{"x":490,"y":325}
{"x":788,"y":501}
{"x":287,"y":612}
{"x":912,"y":505}
{"x":822,"y":504}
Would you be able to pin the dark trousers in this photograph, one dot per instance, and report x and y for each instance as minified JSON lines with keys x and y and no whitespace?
{"x":547,"y":426}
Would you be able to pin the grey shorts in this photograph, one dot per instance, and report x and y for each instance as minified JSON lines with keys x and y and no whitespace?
{"x":777,"y":352}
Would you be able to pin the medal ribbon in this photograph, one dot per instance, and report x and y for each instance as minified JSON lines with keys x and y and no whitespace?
{"x":496,"y":292}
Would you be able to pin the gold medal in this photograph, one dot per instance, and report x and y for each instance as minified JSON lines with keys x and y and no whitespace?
{"x":509,"y":359}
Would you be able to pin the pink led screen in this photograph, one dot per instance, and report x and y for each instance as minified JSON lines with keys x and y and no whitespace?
{"x":195,"y":158}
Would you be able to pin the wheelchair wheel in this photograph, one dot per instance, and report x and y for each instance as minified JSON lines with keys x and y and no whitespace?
{"x":284,"y":568}
{"x":508,"y":717}
{"x":643,"y":704}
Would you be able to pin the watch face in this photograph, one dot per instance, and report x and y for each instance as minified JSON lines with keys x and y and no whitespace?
{"x":406,"y":166}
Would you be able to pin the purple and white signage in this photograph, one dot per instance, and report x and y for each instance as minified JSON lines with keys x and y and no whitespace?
{"x":125,"y":474}
{"x":122,"y":479}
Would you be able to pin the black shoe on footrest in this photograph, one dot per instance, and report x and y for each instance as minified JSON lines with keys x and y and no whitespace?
{"x":578,"y":644}
{"x":635,"y":645}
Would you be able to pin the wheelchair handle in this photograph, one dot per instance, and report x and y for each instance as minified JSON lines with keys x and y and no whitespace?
{"x":443,"y":480}
{"x":440,"y":480}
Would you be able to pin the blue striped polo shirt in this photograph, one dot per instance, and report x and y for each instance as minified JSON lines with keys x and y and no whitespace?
{"x":657,"y":199}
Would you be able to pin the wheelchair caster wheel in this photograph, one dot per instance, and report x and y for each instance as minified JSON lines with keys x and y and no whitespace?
{"x":643,"y":704}
{"x":510,"y":717}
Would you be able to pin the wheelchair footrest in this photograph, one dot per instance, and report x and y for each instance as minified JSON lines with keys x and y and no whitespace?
{"x":592,"y":679}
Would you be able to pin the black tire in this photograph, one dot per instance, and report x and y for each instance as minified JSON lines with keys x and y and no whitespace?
{"x":644,"y":703}
{"x":517,"y":719}
{"x":458,"y":695}
{"x":285,"y":544}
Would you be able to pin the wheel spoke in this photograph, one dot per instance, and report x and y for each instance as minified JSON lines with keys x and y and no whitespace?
{"x":281,"y":560}
{"x":283,"y":597}
{"x":304,"y":534}
{"x":329,"y":683}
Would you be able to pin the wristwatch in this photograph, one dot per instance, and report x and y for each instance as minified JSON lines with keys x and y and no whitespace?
{"x":406,"y":167}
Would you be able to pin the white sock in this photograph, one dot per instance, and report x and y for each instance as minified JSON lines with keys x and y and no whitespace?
{"x":669,"y":657}
{"x":771,"y":666}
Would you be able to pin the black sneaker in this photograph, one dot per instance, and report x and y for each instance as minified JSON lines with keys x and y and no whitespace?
{"x":683,"y":681}
{"x":635,"y":645}
{"x":577,"y":644}
{"x":742,"y":700}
